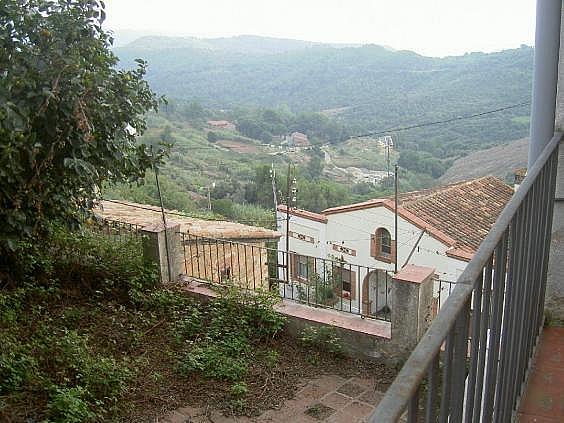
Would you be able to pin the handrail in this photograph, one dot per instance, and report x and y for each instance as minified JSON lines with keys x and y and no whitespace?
{"x":406,"y":384}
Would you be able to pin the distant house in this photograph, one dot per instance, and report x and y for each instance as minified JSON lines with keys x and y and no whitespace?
{"x":386,"y":142}
{"x":297,"y":139}
{"x":222,"y":124}
{"x":210,"y":250}
{"x":440,"y":228}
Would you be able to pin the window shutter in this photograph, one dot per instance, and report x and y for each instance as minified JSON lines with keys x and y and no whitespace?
{"x":373,"y":246}
{"x":293,"y":263}
{"x":393,"y":251}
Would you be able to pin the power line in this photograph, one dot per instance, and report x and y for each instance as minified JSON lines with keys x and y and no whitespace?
{"x":432,"y":123}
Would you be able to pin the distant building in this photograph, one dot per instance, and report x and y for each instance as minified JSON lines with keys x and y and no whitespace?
{"x":297,"y":139}
{"x":386,"y":142}
{"x":518,"y":177}
{"x":222,"y":124}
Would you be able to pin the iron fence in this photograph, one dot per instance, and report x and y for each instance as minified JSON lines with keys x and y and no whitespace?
{"x":318,"y":282}
{"x":114,"y":229}
{"x":472,"y":362}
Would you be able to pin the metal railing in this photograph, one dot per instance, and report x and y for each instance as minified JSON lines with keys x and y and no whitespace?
{"x":114,"y":229}
{"x":315,"y":281}
{"x":472,"y":362}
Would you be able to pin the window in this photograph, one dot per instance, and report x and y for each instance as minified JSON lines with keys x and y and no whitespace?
{"x":385,"y":241}
{"x":344,"y":282}
{"x":382,"y":247}
{"x":302,"y":267}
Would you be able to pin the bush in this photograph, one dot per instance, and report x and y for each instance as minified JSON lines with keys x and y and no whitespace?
{"x":90,"y":260}
{"x":220,"y":335}
{"x":17,"y":365}
{"x":322,"y":338}
{"x":68,"y":405}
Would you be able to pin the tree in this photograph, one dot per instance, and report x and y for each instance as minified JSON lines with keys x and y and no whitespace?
{"x":68,"y":118}
{"x":212,"y":137}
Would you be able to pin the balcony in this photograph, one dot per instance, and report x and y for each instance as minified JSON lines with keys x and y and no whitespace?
{"x":473,"y":362}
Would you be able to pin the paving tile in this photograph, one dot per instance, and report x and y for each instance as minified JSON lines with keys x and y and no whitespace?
{"x":357,"y":410}
{"x":174,"y":417}
{"x":372,"y":397}
{"x":330,"y":382}
{"x":319,"y":411}
{"x":368,"y":381}
{"x":352,"y":389}
{"x":342,"y":417}
{"x":336,"y":400}
{"x":527,"y":418}
{"x":550,"y":355}
{"x":312,"y":392}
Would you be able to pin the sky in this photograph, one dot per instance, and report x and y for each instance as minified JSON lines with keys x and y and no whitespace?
{"x":428,"y":27}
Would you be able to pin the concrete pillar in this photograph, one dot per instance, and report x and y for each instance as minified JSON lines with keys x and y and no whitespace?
{"x":155,"y":249}
{"x":412,"y":297}
{"x":545,"y":76}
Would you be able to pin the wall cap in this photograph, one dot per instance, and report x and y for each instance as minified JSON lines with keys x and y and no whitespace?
{"x":414,"y":274}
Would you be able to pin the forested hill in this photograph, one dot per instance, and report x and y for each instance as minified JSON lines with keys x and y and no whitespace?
{"x":370,"y":87}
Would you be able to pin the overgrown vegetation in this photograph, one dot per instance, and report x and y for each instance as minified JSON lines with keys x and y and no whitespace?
{"x":90,"y":336}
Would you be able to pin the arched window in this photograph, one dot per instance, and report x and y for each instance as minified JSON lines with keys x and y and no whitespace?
{"x":382,"y":246}
{"x":384,"y":241}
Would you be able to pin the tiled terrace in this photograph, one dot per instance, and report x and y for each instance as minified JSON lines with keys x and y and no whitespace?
{"x":329,"y":398}
{"x":543,"y":401}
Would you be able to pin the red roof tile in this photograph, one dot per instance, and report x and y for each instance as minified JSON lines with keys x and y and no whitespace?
{"x":304,"y":213}
{"x":459,"y":215}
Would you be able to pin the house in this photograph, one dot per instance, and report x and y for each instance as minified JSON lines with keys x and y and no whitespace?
{"x":211,"y":250}
{"x":386,"y":142}
{"x":440,"y":228}
{"x":297,"y":139}
{"x":222,"y":124}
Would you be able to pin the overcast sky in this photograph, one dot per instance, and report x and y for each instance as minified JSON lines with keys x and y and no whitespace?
{"x":429,"y":27}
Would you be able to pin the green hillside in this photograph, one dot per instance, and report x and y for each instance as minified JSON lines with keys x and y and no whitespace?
{"x":368,"y":87}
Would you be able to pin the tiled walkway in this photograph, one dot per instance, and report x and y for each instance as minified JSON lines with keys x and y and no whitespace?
{"x":330,"y":399}
{"x":543,"y":401}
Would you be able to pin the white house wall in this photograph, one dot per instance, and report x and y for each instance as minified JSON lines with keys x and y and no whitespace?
{"x":354,"y":228}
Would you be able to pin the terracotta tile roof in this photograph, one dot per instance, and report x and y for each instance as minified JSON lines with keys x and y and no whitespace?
{"x":321,"y":218}
{"x":459,"y":215}
{"x":464,"y":211}
{"x":143,"y":214}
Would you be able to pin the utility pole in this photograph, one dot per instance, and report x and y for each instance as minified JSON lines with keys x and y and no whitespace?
{"x":396,"y":219}
{"x":290,"y":199}
{"x":273,"y":178}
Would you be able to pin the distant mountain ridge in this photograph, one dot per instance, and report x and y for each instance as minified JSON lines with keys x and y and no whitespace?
{"x":370,"y":87}
{"x":246,"y":44}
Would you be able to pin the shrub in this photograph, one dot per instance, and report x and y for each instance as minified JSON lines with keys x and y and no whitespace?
{"x":322,"y":338}
{"x":220,"y":335}
{"x":239,"y":389}
{"x":17,"y":365}
{"x":67,"y":405}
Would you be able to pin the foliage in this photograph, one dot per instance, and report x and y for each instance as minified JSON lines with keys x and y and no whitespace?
{"x":91,"y":260}
{"x":367,"y":88}
{"x":67,"y":405}
{"x":322,"y":338}
{"x":68,"y":117}
{"x":212,"y":136}
{"x":220,"y":336}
